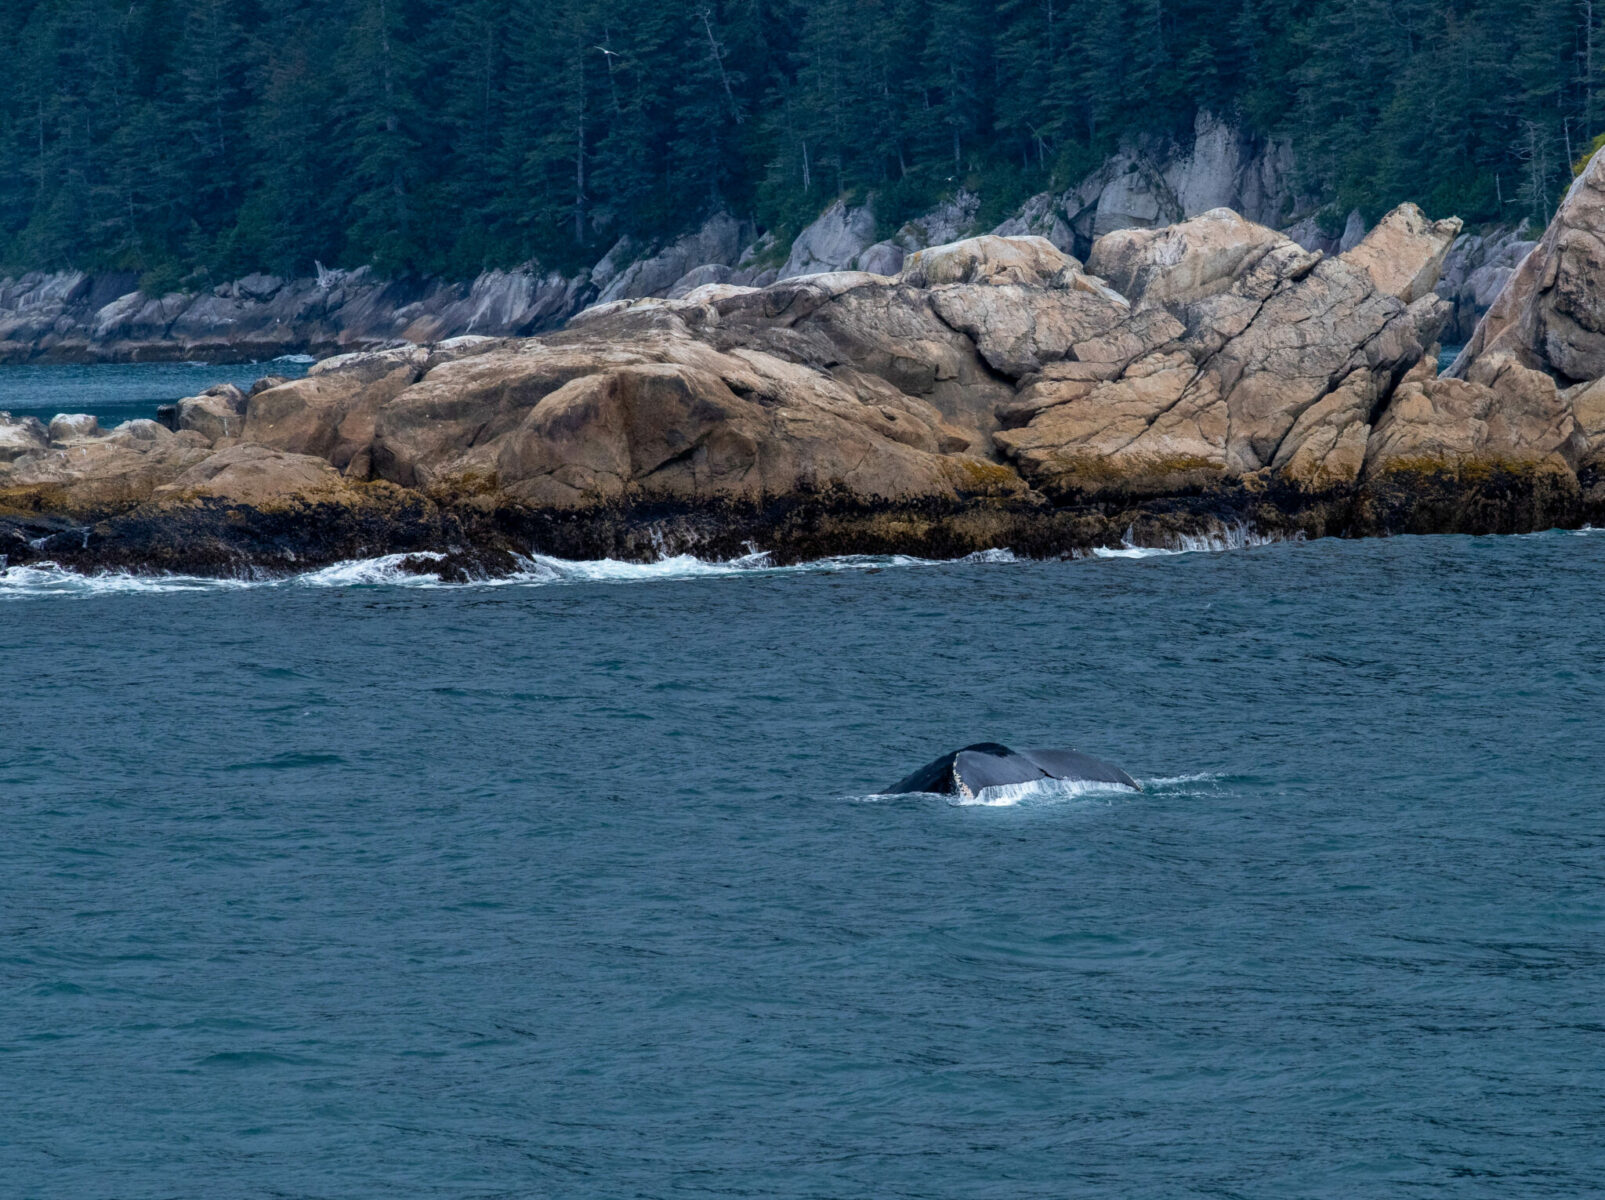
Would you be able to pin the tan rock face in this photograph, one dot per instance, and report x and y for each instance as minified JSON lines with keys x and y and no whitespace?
{"x":1160,"y":427}
{"x":21,"y":435}
{"x":1181,"y":263}
{"x":121,"y":469}
{"x":1032,"y":261}
{"x":217,"y":413}
{"x":329,"y":415}
{"x":1267,"y":348}
{"x":670,"y":418}
{"x":1551,"y":314}
{"x":1405,"y":253}
{"x":1507,"y":415}
{"x":257,"y":476}
{"x":1018,"y":330}
{"x":990,"y":368}
{"x":1326,"y":446}
{"x":71,"y":428}
{"x":1587,"y":402}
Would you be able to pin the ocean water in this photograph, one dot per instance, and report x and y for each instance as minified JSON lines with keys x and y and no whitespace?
{"x":579,"y":885}
{"x":118,"y":392}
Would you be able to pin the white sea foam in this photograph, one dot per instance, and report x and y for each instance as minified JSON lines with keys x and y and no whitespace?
{"x":537,"y":570}
{"x":295,"y":358}
{"x":1050,"y":791}
{"x":1228,"y":537}
{"x":48,"y":579}
{"x":1197,"y":784}
{"x":387,"y":571}
{"x":540,"y":569}
{"x":384,"y":571}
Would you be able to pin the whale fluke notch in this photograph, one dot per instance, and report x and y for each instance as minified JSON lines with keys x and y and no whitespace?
{"x":968,"y":771}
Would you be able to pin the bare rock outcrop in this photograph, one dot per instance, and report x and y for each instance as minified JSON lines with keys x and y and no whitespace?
{"x":1266,"y":347}
{"x":993,"y":392}
{"x":1404,"y":254}
{"x":1551,"y":314}
{"x":121,"y":468}
{"x":1506,"y":414}
{"x":832,"y":242}
{"x":257,"y":476}
{"x":21,"y":435}
{"x":662,"y":415}
{"x":1541,"y":345}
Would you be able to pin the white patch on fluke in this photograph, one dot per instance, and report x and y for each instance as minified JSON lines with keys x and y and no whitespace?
{"x":1009,"y":795}
{"x":1050,"y":791}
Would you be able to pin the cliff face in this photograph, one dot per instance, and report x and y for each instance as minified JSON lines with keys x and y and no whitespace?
{"x":993,"y":392}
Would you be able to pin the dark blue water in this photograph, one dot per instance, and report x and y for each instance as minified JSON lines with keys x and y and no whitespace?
{"x":573,"y":889}
{"x":118,"y":392}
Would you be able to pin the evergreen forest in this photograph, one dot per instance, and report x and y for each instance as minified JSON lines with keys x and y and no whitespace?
{"x":193,"y":140}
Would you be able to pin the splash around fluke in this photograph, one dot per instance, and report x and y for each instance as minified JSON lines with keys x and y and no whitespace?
{"x":969,"y":771}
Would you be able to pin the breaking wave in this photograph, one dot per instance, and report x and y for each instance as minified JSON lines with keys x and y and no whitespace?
{"x":47,"y":579}
{"x":538,"y":570}
{"x":411,"y":571}
{"x":1230,"y":537}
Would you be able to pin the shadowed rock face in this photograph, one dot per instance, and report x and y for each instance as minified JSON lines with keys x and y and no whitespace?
{"x":994,"y":392}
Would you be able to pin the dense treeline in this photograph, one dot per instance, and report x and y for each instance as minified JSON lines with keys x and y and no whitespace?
{"x":186,"y":137}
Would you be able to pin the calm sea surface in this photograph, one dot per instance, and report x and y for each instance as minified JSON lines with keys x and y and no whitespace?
{"x":117,"y":392}
{"x":577,"y":886}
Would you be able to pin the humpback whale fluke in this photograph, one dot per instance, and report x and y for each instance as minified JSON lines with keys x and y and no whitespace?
{"x":987,"y":764}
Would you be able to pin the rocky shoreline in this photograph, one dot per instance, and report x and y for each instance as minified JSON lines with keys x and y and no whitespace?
{"x":993,"y":392}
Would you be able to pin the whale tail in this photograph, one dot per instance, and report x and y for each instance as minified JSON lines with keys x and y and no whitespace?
{"x":969,"y":771}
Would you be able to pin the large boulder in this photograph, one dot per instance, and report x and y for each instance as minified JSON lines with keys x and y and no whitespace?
{"x":119,"y":470}
{"x":1504,"y":414}
{"x":21,"y":435}
{"x":330,"y":412}
{"x":832,"y":242}
{"x":217,"y":413}
{"x":67,"y":429}
{"x":1551,"y":314}
{"x":257,"y":476}
{"x":1404,"y":254}
{"x":1181,"y":263}
{"x":640,"y":409}
{"x":1032,"y":261}
{"x":866,"y":324}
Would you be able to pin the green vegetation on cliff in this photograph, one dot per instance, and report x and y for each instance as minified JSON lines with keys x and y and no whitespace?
{"x":181,"y":138}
